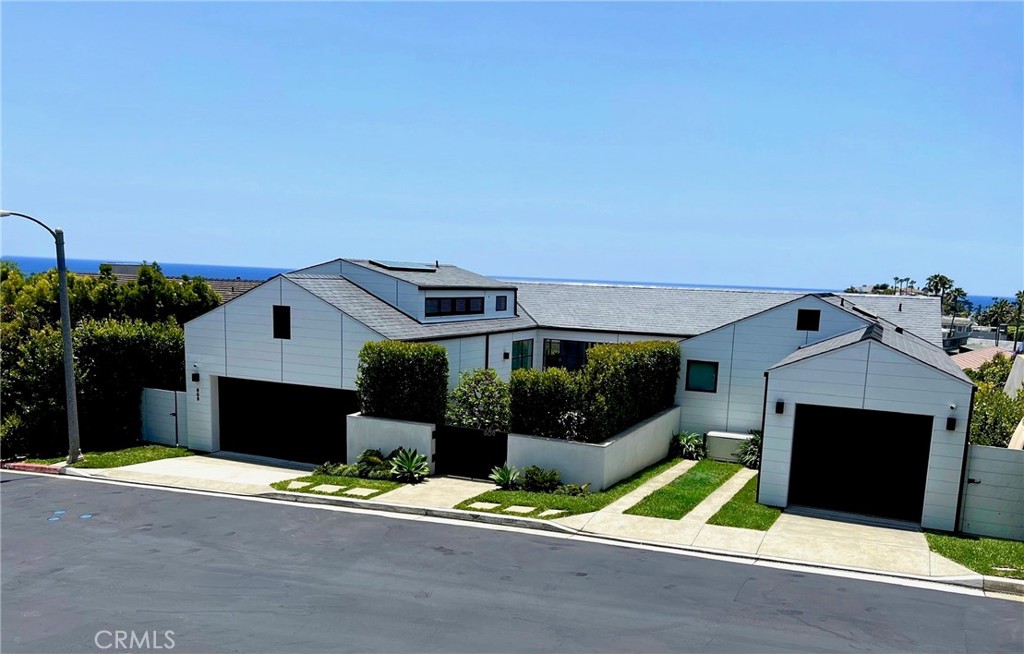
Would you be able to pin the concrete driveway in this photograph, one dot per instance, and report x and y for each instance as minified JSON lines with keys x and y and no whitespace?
{"x":203,"y":473}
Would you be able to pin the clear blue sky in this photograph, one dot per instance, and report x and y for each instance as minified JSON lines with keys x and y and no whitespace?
{"x":807,"y":145}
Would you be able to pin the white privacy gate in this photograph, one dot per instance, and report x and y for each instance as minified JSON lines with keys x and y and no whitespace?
{"x":993,"y":500}
{"x":164,"y":417}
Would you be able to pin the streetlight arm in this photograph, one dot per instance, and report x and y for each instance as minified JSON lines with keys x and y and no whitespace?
{"x":71,"y":394}
{"x":4,"y":213}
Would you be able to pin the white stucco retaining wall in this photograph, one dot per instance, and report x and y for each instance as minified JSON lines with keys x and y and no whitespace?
{"x":366,"y":433}
{"x":599,"y":464}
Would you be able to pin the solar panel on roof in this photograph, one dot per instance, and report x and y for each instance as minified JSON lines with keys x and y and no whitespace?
{"x":410,"y":266}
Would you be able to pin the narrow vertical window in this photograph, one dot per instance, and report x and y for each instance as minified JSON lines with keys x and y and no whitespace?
{"x":282,"y":321}
{"x":501,"y":303}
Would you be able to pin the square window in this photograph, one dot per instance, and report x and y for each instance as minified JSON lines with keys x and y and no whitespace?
{"x":807,"y":320}
{"x":702,"y":376}
{"x":476,"y":305}
{"x":501,"y":303}
{"x":433,"y":307}
{"x":446,"y":307}
{"x":282,"y":322}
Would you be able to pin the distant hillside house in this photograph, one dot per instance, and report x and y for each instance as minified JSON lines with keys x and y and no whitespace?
{"x":861,"y":408}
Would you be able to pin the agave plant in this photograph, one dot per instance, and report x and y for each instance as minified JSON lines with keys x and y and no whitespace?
{"x":409,"y":466}
{"x":506,"y":477}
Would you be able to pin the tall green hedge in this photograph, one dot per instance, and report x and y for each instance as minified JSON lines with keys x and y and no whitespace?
{"x":113,"y":362}
{"x":403,"y":381}
{"x":621,"y":385}
{"x":541,"y":399}
{"x":624,"y":383}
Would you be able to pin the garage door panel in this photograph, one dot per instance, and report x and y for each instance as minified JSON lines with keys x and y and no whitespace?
{"x":284,"y":421}
{"x":859,"y":461}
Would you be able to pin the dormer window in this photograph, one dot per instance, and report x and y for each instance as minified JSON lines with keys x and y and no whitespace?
{"x":453,"y":306}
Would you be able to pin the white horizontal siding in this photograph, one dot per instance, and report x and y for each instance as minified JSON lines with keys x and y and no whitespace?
{"x":847,"y":378}
{"x":354,"y":335}
{"x":994,"y":506}
{"x":464,"y":354}
{"x":313,"y":353}
{"x":395,"y":292}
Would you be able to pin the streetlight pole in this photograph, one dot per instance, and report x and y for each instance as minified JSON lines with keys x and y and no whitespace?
{"x":71,"y":395}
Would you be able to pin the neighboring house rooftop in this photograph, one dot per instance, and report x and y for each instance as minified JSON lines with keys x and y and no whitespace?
{"x":888,"y":335}
{"x":391,"y":323}
{"x":974,"y":359}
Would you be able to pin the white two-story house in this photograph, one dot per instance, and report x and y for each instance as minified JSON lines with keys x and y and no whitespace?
{"x":857,"y":400}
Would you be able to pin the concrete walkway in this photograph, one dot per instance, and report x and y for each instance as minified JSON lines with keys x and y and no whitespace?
{"x":797,"y":538}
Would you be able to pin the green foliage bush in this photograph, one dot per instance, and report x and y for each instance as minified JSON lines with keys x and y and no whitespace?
{"x":540,"y":399}
{"x":624,"y":383}
{"x":403,"y":381}
{"x":688,"y":445}
{"x":337,"y":469}
{"x":540,"y":480}
{"x":574,"y":490}
{"x":621,"y":385}
{"x":480,"y":401}
{"x":749,"y":451}
{"x":113,"y":362}
{"x":995,"y":372}
{"x":995,"y":415}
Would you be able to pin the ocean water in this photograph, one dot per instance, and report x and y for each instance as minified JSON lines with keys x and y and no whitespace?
{"x":31,"y":265}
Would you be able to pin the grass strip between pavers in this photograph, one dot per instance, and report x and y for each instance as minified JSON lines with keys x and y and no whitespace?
{"x":131,"y":456}
{"x":989,"y":556}
{"x":571,"y":505}
{"x":744,"y":512}
{"x":686,"y":492}
{"x":379,"y":485}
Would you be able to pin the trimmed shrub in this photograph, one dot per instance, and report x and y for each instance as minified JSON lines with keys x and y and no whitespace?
{"x":113,"y":362}
{"x":403,"y":381}
{"x":480,"y":401}
{"x":540,"y":401}
{"x":624,"y":383}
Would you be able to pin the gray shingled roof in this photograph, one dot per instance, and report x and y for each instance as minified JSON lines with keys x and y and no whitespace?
{"x":920,"y":314}
{"x":642,"y":309}
{"x":691,"y":311}
{"x":443,"y":276}
{"x":909,"y":344}
{"x":388,"y":321}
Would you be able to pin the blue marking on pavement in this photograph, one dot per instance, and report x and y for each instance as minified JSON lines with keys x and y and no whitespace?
{"x":60,"y":512}
{"x":52,"y":519}
{"x":85,"y":516}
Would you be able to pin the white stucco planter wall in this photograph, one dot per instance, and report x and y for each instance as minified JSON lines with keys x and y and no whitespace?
{"x":366,"y":433}
{"x":599,"y":464}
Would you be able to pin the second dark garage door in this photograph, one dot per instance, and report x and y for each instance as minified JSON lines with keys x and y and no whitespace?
{"x":284,"y":421}
{"x":857,"y":461}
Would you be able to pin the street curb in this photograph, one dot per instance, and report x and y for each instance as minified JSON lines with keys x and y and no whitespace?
{"x":1004,"y":585}
{"x":451,"y":514}
{"x":974,"y":581}
{"x":33,"y":467}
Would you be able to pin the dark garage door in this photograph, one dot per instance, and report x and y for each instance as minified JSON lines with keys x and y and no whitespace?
{"x":856,"y":461}
{"x":284,"y":421}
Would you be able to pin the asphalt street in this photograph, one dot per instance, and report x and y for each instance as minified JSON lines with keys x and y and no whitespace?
{"x":229,"y":575}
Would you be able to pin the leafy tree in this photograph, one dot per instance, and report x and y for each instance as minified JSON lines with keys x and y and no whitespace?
{"x":1000,"y":312}
{"x":481,"y":401}
{"x":1019,"y":302}
{"x":995,"y":372}
{"x":995,"y":415}
{"x":938,"y":284}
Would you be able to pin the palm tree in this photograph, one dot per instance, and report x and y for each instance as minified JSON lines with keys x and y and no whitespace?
{"x":913,"y":284}
{"x":1000,"y":312}
{"x":1020,"y":308}
{"x":896,"y":284}
{"x":938,"y":285}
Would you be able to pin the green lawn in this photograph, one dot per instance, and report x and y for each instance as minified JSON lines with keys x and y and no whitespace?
{"x":989,"y":556}
{"x":379,"y":485}
{"x":571,"y":505}
{"x":130,"y":456}
{"x":743,"y":511}
{"x":47,"y":462}
{"x":682,"y":495}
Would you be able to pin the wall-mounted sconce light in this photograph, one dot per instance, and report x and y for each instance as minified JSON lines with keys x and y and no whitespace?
{"x":780,"y":407}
